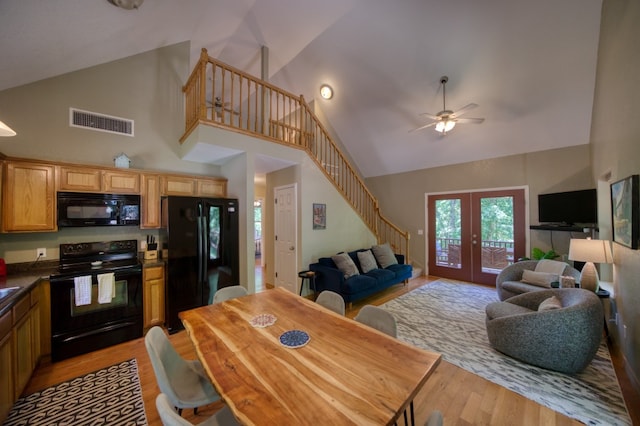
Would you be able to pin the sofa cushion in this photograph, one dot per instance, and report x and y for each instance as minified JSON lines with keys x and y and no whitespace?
{"x":401,"y":270}
{"x":384,"y":255}
{"x":549,"y":304}
{"x":381,"y":275}
{"x":345,"y":264}
{"x":541,"y":279}
{"x":358,"y":284}
{"x":327,"y":261}
{"x":367,"y":261}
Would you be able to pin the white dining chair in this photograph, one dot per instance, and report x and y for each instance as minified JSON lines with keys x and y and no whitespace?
{"x":184,"y":382}
{"x":331,"y":300}
{"x":230,"y":292}
{"x":378,"y":318}
{"x":170,"y":417}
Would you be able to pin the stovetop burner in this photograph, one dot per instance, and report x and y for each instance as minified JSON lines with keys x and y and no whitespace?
{"x":98,"y":257}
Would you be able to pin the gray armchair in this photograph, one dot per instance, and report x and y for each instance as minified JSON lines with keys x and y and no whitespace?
{"x":564,"y":339}
{"x":508,"y":282}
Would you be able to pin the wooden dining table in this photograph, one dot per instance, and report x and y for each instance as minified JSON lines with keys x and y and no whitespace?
{"x":346,"y":374}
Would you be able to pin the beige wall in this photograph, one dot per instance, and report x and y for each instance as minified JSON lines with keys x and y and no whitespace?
{"x":402,"y":196}
{"x":615,"y":139}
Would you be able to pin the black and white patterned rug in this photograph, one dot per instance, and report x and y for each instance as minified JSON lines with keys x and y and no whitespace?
{"x":449,"y":317}
{"x":110,"y":396}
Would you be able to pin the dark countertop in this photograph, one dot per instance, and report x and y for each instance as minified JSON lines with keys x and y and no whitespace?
{"x":25,"y":280}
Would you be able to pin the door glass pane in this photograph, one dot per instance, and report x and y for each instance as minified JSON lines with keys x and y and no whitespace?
{"x":448,"y":232}
{"x":214,"y":232}
{"x":497,"y":233}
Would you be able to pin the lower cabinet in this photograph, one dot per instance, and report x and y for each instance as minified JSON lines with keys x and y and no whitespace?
{"x":20,"y":348}
{"x":6,"y":365}
{"x":153,"y":277}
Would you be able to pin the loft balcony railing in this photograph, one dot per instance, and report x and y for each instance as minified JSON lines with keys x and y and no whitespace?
{"x":220,"y":95}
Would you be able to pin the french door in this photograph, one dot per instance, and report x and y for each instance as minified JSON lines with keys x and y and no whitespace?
{"x":474,"y":235}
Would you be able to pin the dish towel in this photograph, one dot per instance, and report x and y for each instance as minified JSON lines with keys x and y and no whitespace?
{"x":106,"y":287}
{"x":82,"y":287}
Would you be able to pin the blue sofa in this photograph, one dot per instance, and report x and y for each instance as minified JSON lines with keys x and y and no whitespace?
{"x":357,"y":287}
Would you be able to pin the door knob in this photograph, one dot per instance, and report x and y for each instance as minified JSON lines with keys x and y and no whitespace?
{"x":292,"y":248}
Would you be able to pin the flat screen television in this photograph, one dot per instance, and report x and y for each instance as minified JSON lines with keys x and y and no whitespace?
{"x":568,"y":208}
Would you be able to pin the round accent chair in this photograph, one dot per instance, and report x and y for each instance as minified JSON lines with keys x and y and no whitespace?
{"x":556,"y":329}
{"x":509,"y":284}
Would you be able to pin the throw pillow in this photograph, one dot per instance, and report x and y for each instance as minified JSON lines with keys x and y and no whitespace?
{"x":384,"y":255}
{"x":367,"y":261}
{"x":541,"y":279}
{"x":345,"y":265}
{"x":551,"y":303}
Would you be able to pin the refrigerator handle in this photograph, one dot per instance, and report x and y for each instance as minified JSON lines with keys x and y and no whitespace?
{"x":201,"y":258}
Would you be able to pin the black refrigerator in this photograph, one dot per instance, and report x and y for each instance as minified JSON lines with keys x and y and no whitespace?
{"x":200,"y":243}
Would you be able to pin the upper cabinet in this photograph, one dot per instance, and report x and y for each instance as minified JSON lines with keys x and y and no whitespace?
{"x":190,"y":186}
{"x":91,"y":179}
{"x":29,"y":190}
{"x":28,"y":202}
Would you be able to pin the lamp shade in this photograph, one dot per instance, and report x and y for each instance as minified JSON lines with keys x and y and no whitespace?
{"x":588,"y":250}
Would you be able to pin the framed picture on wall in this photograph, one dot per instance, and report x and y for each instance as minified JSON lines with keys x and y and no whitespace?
{"x":624,"y":210}
{"x":319,"y":216}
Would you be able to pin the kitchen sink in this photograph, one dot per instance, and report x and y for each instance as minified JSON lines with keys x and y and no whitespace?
{"x":7,"y":292}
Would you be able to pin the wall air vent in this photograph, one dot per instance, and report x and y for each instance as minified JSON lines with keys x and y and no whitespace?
{"x":100,"y":122}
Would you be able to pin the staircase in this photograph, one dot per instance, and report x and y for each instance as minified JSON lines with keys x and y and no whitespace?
{"x":220,"y":95}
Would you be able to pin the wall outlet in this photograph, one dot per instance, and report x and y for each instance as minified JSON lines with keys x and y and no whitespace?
{"x":41,"y":253}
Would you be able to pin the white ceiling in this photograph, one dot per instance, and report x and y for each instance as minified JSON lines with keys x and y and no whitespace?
{"x":529,"y":65}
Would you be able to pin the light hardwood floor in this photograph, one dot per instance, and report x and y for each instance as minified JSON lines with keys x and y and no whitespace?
{"x":462,"y":397}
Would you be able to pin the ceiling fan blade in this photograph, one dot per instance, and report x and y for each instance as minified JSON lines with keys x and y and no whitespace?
{"x":423,"y":127}
{"x":469,"y":120}
{"x":431,"y":116}
{"x":465,"y":109}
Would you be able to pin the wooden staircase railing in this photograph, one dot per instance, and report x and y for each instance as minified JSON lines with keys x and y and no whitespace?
{"x":220,"y":95}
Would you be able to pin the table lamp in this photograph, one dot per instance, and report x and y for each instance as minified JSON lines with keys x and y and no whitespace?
{"x":590,"y":251}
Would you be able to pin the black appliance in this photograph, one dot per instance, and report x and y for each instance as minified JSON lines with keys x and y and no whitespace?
{"x":200,"y":246}
{"x":79,"y":328}
{"x":88,"y":209}
{"x":568,"y":208}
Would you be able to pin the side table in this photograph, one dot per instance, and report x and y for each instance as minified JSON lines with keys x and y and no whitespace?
{"x":309,"y":276}
{"x":604,"y":299}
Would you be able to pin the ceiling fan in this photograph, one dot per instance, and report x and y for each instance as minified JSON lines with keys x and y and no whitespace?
{"x":220,"y":107}
{"x":446,"y":120}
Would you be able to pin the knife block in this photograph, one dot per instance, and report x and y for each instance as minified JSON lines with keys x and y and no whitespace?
{"x":152,"y":251}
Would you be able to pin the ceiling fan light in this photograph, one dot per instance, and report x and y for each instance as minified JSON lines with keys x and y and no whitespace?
{"x":445,"y":126}
{"x":6,"y":130}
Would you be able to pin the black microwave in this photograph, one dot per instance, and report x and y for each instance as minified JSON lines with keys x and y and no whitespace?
{"x":88,"y":209}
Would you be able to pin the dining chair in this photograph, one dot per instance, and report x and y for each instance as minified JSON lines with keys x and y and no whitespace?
{"x":227,"y":293}
{"x":378,"y":318}
{"x":435,"y":419}
{"x":184,"y":382}
{"x":170,"y":417}
{"x":331,"y":300}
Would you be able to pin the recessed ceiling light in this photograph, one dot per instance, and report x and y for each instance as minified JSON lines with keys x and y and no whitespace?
{"x":326,"y":91}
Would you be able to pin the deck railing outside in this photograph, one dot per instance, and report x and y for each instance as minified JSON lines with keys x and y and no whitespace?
{"x":220,"y":95}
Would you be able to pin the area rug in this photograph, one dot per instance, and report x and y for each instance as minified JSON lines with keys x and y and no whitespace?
{"x":449,"y":317}
{"x":110,"y":396}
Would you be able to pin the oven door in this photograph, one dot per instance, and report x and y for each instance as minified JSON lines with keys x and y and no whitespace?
{"x":78,"y":328}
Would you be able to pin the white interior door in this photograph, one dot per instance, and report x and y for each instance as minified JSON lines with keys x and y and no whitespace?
{"x":286,"y":225}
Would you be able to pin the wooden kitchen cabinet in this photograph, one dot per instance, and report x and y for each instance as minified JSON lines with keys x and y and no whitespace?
{"x":6,"y":365}
{"x":121,"y":182}
{"x":150,"y":201}
{"x":216,"y":188}
{"x":153,"y":295}
{"x":71,"y":178}
{"x":28,"y":202}
{"x":23,"y":360}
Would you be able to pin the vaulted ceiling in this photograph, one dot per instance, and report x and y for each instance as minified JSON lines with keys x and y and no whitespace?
{"x":529,"y":65}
